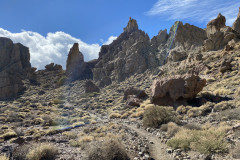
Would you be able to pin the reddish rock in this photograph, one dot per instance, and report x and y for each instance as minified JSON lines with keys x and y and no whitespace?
{"x":134,"y":91}
{"x":176,"y":90}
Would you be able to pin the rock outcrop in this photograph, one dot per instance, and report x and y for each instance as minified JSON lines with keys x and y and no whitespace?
{"x":134,"y":91}
{"x":76,"y":68}
{"x":176,"y":45}
{"x":236,"y":24}
{"x":176,"y":90}
{"x":14,"y":67}
{"x":219,"y":35}
{"x":53,"y":67}
{"x":90,"y":87}
{"x":127,"y":55}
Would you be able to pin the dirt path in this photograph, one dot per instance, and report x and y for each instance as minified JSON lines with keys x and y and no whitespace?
{"x":157,"y":149}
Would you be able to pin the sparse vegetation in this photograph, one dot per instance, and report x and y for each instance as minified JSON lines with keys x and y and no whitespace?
{"x":3,"y":158}
{"x":155,"y":116}
{"x":62,"y":81}
{"x":110,"y":149}
{"x":42,"y":152}
{"x":208,"y":141}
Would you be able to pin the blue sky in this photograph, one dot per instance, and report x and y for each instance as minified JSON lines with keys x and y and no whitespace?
{"x":50,"y":27}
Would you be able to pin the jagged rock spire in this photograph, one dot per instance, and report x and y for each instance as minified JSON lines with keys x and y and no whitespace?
{"x":239,"y":13}
{"x":216,"y":24}
{"x":236,"y":24}
{"x":132,"y":25}
{"x":75,"y":62}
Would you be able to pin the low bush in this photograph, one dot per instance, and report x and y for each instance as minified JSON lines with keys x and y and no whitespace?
{"x":42,"y":152}
{"x":110,"y":149}
{"x":155,"y":116}
{"x":223,"y":106}
{"x":204,"y":141}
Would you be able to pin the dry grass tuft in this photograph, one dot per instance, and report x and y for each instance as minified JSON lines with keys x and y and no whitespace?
{"x":110,"y":149}
{"x":43,"y":151}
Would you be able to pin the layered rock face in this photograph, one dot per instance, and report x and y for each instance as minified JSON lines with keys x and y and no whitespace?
{"x":76,"y":68}
{"x":219,"y":35}
{"x":128,"y":54}
{"x":14,"y":67}
{"x":236,"y":24}
{"x":181,"y":40}
{"x":176,"y":90}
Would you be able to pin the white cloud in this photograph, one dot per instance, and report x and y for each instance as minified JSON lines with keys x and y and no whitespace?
{"x":110,"y":40}
{"x":197,"y":10}
{"x":52,"y":48}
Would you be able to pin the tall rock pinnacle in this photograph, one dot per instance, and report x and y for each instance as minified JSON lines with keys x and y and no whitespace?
{"x":75,"y":62}
{"x":236,"y":24}
{"x":132,"y":25}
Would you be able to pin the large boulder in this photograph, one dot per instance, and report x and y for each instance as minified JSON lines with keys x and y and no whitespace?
{"x":14,"y":67}
{"x":90,"y":87}
{"x":134,"y":91}
{"x":236,"y":24}
{"x":176,"y":90}
{"x":127,"y":55}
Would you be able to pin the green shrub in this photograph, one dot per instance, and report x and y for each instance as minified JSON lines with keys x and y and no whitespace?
{"x":42,"y":152}
{"x":155,"y":116}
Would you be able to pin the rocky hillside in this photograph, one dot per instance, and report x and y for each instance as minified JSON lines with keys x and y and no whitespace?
{"x":172,"y":97}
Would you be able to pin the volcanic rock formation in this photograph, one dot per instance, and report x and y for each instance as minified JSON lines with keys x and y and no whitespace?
{"x":219,"y":35}
{"x":127,"y":55}
{"x":181,"y":40}
{"x":14,"y":67}
{"x":76,"y":68}
{"x":236,"y":24}
{"x":176,"y":90}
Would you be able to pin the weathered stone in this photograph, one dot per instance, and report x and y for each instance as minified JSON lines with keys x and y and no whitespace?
{"x":176,"y":45}
{"x":219,"y":35}
{"x":53,"y":67}
{"x":134,"y":91}
{"x":176,"y":90}
{"x":76,"y":68}
{"x":132,"y":25}
{"x":90,"y":87}
{"x":14,"y":67}
{"x":133,"y":100}
{"x":215,"y":25}
{"x":127,"y":55}
{"x":236,"y":24}
{"x":226,"y":65}
{"x":75,"y":63}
